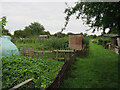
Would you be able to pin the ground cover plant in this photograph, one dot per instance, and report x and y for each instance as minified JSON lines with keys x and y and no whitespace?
{"x":98,"y":70}
{"x":17,"y":69}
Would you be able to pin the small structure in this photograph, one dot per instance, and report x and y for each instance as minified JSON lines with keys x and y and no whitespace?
{"x":115,"y":39}
{"x":44,"y":36}
{"x":75,"y":42}
{"x":115,"y":42}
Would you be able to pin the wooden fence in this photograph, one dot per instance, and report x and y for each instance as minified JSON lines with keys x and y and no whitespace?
{"x":55,"y":54}
{"x":61,"y":74}
{"x":65,"y":68}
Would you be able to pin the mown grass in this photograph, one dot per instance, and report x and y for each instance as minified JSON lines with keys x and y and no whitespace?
{"x":98,"y":70}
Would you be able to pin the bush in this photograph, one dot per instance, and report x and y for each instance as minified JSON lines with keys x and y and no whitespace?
{"x":58,"y":43}
{"x":85,"y":42}
{"x":100,"y":41}
{"x":104,"y":41}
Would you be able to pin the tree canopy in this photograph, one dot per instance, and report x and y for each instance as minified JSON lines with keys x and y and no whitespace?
{"x":98,"y":15}
{"x":59,"y":34}
{"x":6,"y":32}
{"x":19,"y":33}
{"x":34,"y":29}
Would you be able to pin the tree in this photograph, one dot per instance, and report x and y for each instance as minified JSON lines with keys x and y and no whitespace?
{"x":34,"y":29}
{"x":19,"y":34}
{"x":46,"y":33}
{"x":59,"y":34}
{"x":70,"y":33}
{"x":98,"y":15}
{"x":6,"y":32}
{"x":2,"y":24}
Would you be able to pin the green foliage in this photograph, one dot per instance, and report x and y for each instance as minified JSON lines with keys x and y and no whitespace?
{"x":18,"y":69}
{"x":98,"y":15}
{"x":59,"y":35}
{"x":19,"y":34}
{"x":70,"y":33}
{"x":85,"y":42}
{"x":34,"y":29}
{"x":98,"y":70}
{"x":6,"y":32}
{"x":58,"y":43}
{"x":46,"y":33}
{"x":2,"y":24}
{"x":94,"y":36}
{"x":41,"y":43}
{"x":102,"y":41}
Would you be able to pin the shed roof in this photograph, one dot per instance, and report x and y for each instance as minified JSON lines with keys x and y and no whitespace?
{"x":112,"y":35}
{"x":43,"y":35}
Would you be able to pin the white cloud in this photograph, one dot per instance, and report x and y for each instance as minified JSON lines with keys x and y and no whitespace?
{"x":0,"y":9}
{"x":39,"y":0}
{"x":50,"y":15}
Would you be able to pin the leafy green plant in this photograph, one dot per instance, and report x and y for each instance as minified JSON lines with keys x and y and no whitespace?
{"x":17,"y":69}
{"x":2,"y":24}
{"x":58,"y":43}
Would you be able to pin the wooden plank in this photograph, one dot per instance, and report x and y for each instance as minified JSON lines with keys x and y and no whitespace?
{"x":21,"y":84}
{"x":42,"y":51}
{"x":60,"y":59}
{"x":64,"y":51}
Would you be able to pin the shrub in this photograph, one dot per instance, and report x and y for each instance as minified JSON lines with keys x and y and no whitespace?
{"x":100,"y":41}
{"x":85,"y":42}
{"x":104,"y":41}
{"x":58,"y":43}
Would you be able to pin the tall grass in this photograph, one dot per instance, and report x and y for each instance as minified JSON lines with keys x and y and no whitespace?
{"x":42,"y":43}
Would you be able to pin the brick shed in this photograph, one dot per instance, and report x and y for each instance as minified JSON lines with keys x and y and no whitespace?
{"x":75,"y":42}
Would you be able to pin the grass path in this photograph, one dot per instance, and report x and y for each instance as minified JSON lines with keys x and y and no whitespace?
{"x":98,"y":70}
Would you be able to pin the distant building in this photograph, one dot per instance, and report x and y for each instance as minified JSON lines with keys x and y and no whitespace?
{"x":44,"y":36}
{"x":115,"y":42}
{"x":115,"y":39}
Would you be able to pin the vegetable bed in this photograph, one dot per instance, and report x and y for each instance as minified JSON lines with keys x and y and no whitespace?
{"x":17,"y":69}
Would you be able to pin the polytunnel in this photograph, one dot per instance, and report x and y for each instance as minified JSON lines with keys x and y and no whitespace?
{"x":7,"y":48}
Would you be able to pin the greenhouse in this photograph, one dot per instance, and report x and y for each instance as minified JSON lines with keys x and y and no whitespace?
{"x":7,"y":48}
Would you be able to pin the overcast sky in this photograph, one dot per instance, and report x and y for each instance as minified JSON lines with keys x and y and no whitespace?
{"x":49,"y":14}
